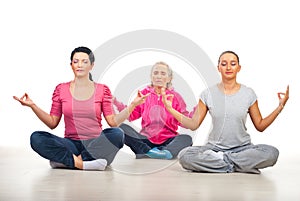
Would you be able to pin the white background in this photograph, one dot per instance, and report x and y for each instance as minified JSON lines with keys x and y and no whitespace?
{"x":37,"y":38}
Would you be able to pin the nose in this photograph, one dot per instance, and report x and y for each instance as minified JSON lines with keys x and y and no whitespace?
{"x":158,"y":75}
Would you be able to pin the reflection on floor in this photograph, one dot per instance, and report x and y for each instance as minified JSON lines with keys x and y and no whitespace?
{"x":26,"y":176}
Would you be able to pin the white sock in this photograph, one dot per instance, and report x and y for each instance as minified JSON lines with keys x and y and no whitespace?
{"x":98,"y":164}
{"x":218,"y":154}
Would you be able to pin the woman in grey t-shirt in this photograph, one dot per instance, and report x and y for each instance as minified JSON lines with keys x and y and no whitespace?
{"x":229,"y":147}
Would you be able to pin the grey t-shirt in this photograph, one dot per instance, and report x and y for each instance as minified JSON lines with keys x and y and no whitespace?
{"x":229,"y":114}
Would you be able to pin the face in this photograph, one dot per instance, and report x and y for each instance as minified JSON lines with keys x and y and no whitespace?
{"x":228,"y":66}
{"x":160,"y":76}
{"x":81,"y":64}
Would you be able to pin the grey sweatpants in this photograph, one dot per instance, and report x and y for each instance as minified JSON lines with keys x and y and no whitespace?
{"x":209,"y":158}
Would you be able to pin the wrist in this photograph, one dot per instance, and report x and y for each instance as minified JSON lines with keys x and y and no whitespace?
{"x":132,"y":106}
{"x":170,"y":109}
{"x":280,"y":107}
{"x":32,"y":105}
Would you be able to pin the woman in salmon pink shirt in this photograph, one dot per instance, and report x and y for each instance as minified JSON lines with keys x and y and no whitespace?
{"x":85,"y":144}
{"x":158,"y":137}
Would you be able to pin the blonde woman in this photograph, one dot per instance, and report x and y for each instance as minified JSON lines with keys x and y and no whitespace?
{"x":158,"y":137}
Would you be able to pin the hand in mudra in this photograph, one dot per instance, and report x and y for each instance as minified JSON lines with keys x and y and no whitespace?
{"x":24,"y":100}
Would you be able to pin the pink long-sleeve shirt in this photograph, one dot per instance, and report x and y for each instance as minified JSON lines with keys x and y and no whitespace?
{"x":82,"y":117}
{"x":157,"y":123}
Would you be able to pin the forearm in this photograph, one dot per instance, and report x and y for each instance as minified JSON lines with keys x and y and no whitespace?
{"x":119,"y":105}
{"x":186,"y":122}
{"x":124,"y":114}
{"x":267,"y":121}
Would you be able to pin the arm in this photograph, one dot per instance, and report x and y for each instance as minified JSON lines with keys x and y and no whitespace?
{"x":119,"y":105}
{"x":117,"y":119}
{"x":50,"y":120}
{"x":262,"y":123}
{"x":191,"y":123}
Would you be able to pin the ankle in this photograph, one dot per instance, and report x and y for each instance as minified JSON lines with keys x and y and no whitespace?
{"x":78,"y":163}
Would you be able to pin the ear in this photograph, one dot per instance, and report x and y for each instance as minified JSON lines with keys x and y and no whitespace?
{"x":169,"y":79}
{"x":92,"y":66}
{"x":239,"y":68}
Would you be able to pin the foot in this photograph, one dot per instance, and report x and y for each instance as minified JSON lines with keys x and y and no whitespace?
{"x":57,"y":165}
{"x":218,"y":154}
{"x":98,"y":164}
{"x":159,"y":154}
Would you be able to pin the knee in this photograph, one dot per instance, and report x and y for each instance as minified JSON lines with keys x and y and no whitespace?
{"x":182,"y":156}
{"x":184,"y":140}
{"x":274,"y":154}
{"x":36,"y":140}
{"x":185,"y":161}
{"x":116,"y":137}
{"x":187,"y":139}
{"x":124,"y":127}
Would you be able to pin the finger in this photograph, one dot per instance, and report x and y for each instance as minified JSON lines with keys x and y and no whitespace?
{"x":22,"y":97}
{"x":140,"y":93}
{"x":170,"y":97}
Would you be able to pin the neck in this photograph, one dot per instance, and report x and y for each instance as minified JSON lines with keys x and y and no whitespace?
{"x":83,"y":81}
{"x":157,"y":89}
{"x":229,"y":87}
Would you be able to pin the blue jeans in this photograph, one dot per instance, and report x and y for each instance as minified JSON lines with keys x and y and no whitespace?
{"x":61,"y":150}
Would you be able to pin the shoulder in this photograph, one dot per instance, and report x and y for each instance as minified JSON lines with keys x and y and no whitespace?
{"x":210,"y":90}
{"x":174,"y":92}
{"x":249,"y":94}
{"x":60,"y":89}
{"x":62,"y":86}
{"x":247,"y":89}
{"x":102,"y":90}
{"x":101,"y":87}
{"x":147,"y":90}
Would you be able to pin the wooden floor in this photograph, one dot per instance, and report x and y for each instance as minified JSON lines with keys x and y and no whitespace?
{"x":26,"y":176}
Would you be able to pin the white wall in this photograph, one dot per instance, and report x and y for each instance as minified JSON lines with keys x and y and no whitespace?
{"x":37,"y":38}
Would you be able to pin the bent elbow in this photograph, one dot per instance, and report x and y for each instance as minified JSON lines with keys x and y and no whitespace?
{"x":52,"y":127}
{"x":260,"y":129}
{"x":193,"y":128}
{"x":113,"y":124}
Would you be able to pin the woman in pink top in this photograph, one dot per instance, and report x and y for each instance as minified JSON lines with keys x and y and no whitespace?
{"x":81,"y":101}
{"x":158,"y":137}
